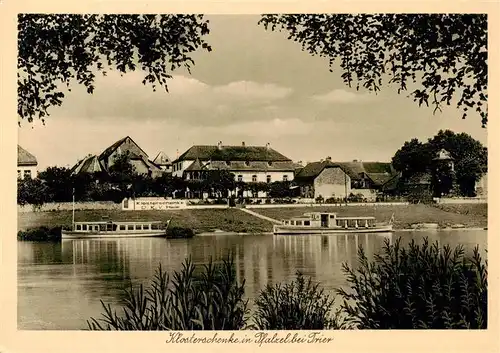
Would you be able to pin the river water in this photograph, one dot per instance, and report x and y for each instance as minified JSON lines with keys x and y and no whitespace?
{"x":60,"y":285}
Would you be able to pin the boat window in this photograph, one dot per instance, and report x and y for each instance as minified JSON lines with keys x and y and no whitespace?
{"x":78,"y":227}
{"x":154,"y":226}
{"x":145,"y":226}
{"x":307,"y":223}
{"x":122,"y":227}
{"x":299,"y":223}
{"x":109,"y":227}
{"x":84,"y":227}
{"x":102,"y":227}
{"x":285,"y":222}
{"x":332,"y":216}
{"x":292,"y":223}
{"x":130,"y":227}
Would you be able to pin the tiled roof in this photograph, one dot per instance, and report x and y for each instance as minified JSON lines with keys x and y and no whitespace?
{"x":24,"y":158}
{"x":378,"y":172}
{"x":89,"y":164}
{"x":108,"y":151}
{"x":232,"y":153}
{"x":196,"y":165}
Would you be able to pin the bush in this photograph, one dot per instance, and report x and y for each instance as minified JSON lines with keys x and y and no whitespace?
{"x":212,"y":300}
{"x":179,"y":232}
{"x":299,"y":305}
{"x":419,"y":287}
{"x":319,"y":199}
{"x":40,"y":234}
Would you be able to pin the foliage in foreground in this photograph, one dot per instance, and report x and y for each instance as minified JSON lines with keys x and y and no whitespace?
{"x":414,"y":287}
{"x":40,"y":234}
{"x":418,"y":287}
{"x":212,"y":300}
{"x":299,"y":305}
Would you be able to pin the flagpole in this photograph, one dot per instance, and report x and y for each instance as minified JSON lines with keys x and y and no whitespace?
{"x":73,"y":219}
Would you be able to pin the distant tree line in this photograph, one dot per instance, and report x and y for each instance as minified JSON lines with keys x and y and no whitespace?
{"x":416,"y":159}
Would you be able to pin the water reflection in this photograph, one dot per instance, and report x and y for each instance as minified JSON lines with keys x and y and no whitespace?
{"x":60,"y":285}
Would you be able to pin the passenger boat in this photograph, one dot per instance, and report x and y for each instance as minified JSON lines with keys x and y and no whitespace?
{"x":329,"y":223}
{"x":110,"y":229}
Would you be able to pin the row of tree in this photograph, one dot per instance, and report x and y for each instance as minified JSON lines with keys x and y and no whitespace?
{"x":56,"y":184}
{"x":469,"y":163}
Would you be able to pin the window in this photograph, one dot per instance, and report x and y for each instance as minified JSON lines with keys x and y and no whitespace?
{"x":84,"y":227}
{"x":27,"y":173}
{"x":78,"y":227}
{"x":19,"y":176}
{"x":285,"y":177}
{"x":299,"y":223}
{"x":268,"y":178}
{"x":240,"y":177}
{"x":307,"y":223}
{"x":270,"y":163}
{"x":122,"y":227}
{"x":228,"y":162}
{"x":254,"y":178}
{"x":247,"y":163}
{"x":292,"y":223}
{"x":145,"y":227}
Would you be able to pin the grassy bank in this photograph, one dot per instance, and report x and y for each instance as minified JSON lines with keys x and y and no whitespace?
{"x":204,"y":220}
{"x":233,"y":220}
{"x":470,"y":215}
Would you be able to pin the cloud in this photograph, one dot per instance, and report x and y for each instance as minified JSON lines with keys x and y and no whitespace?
{"x":341,"y":96}
{"x":253,"y":90}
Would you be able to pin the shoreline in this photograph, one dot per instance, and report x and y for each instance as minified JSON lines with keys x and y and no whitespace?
{"x":407,"y":230}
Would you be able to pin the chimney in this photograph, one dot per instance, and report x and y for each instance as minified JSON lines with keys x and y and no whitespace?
{"x":219,"y":145}
{"x":243,"y":143}
{"x":268,"y":145}
{"x":329,"y":159}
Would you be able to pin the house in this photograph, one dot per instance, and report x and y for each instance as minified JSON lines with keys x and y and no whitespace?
{"x":26,"y":164}
{"x":249,"y":164}
{"x":340,"y":179}
{"x":325,"y":179}
{"x":102,"y":162}
{"x":163,"y":162}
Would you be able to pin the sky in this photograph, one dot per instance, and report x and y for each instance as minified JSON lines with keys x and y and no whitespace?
{"x":255,"y":87}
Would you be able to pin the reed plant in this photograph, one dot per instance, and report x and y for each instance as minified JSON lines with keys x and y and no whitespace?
{"x":298,"y":305}
{"x":211,"y":300}
{"x":416,"y":287}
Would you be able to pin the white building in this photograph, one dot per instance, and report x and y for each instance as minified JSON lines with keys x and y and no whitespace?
{"x":248,"y":163}
{"x":27,"y":165}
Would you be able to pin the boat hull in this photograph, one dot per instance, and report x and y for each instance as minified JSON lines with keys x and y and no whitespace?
{"x":68,"y":234}
{"x":278,"y":229}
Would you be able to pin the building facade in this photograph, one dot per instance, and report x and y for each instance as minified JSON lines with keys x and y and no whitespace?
{"x":249,"y":164}
{"x":341,"y":179}
{"x":27,"y":164}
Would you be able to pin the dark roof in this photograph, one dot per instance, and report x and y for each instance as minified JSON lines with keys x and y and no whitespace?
{"x":378,"y":172}
{"x":108,"y":151}
{"x":232,"y":153}
{"x":312,"y":170}
{"x":196,"y":165}
{"x":24,"y":158}
{"x":392,"y":183}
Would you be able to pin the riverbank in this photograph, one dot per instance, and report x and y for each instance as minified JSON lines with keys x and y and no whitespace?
{"x":234,"y":221}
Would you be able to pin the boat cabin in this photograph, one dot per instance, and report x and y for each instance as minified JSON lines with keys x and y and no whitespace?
{"x":329,"y":220}
{"x":109,"y":226}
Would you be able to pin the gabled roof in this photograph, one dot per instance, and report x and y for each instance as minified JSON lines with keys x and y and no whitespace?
{"x":24,"y":158}
{"x":108,"y":151}
{"x":162,"y":159}
{"x":443,"y":155}
{"x":378,"y":172}
{"x":232,"y":153}
{"x":312,"y":170}
{"x":89,"y":164}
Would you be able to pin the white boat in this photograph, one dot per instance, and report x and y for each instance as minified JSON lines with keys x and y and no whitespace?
{"x":110,"y":229}
{"x":329,"y":223}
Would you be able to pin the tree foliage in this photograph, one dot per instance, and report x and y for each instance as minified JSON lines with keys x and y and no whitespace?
{"x":470,"y":159}
{"x":440,"y":58}
{"x":57,"y":49}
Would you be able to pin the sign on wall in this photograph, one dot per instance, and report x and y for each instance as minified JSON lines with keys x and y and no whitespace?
{"x":152,"y":203}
